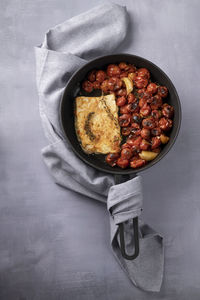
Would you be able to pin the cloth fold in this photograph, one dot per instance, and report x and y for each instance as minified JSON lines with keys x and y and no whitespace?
{"x":66,"y":48}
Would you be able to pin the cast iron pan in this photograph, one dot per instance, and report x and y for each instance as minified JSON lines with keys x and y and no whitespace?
{"x":73,"y":89}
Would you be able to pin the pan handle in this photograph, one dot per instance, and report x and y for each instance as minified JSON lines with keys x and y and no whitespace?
{"x":120,"y":179}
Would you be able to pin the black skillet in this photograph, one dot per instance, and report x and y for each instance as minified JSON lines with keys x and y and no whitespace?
{"x":73,"y":89}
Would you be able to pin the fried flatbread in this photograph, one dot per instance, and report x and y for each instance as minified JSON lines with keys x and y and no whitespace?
{"x":97,"y":124}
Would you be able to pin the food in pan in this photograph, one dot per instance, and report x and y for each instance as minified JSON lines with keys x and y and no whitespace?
{"x":144,"y":117}
{"x":97,"y":124}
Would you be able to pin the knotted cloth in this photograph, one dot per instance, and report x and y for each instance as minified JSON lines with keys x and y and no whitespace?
{"x":67,"y":47}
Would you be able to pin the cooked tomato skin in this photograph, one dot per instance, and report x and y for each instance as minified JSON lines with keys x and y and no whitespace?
{"x":145,"y":110}
{"x":135,"y":142}
{"x":122,"y":163}
{"x":135,"y":129}
{"x":142,"y":102}
{"x":144,"y":145}
{"x":123,"y":66}
{"x":105,"y":86}
{"x":87,"y":86}
{"x":114,"y":83}
{"x":156,"y":102}
{"x":131,"y":98}
{"x":92,"y":76}
{"x":141,"y":82}
{"x":113,"y":70}
{"x":134,"y":107}
{"x":152,"y":88}
{"x":156,"y":114}
{"x":125,"y":109}
{"x":96,"y":85}
{"x":167,"y":111}
{"x":126,"y":131}
{"x":136,"y":118}
{"x":156,"y":131}
{"x":143,"y":72}
{"x":125,"y":145}
{"x":165,"y":124}
{"x":121,"y":101}
{"x":121,"y":92}
{"x":137,"y":163}
{"x":162,"y":91}
{"x":145,"y":133}
{"x":100,"y":76}
{"x":126,"y":153}
{"x":124,"y":120}
{"x":155,"y":142}
{"x":111,"y":159}
{"x":123,"y":74}
{"x":148,"y":123}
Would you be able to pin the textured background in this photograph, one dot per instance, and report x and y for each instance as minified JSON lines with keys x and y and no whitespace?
{"x":54,"y":244}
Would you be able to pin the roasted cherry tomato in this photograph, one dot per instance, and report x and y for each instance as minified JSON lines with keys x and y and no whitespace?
{"x":148,"y":123}
{"x":132,"y":76}
{"x":155,"y":142}
{"x":141,"y":82}
{"x":157,"y":150}
{"x":121,"y":101}
{"x":141,"y":92}
{"x":126,"y":153}
{"x":122,"y":163}
{"x":125,"y":109}
{"x":156,"y":114}
{"x":130,"y":141}
{"x":105,"y":86}
{"x":136,"y":118}
{"x":135,"y":129}
{"x":137,"y":141}
{"x":100,"y":76}
{"x":134,"y":107}
{"x":145,"y":110}
{"x":131,"y":98}
{"x":121,"y":92}
{"x":113,"y":70}
{"x":92,"y":76}
{"x":114,"y":83}
{"x":123,"y":66}
{"x":142,"y":102}
{"x":145,"y":133}
{"x":87,"y":86}
{"x":143,"y":72}
{"x":167,"y":111}
{"x":162,"y":91}
{"x":147,"y":96}
{"x":152,"y":88}
{"x":156,"y":131}
{"x":137,"y":163}
{"x":96,"y":85}
{"x":165,"y":124}
{"x":111,"y":159}
{"x":156,"y":102}
{"x":126,"y":131}
{"x":124,"y":120}
{"x":125,"y":145}
{"x":144,"y":145}
{"x":131,"y":68}
{"x":123,"y":74}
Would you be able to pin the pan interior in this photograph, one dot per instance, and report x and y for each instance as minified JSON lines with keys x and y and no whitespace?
{"x":73,"y":89}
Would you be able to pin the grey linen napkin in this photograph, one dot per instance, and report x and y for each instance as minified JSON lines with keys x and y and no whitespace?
{"x":66,"y":48}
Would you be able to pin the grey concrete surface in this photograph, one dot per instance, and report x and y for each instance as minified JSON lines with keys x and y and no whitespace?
{"x":44,"y":252}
